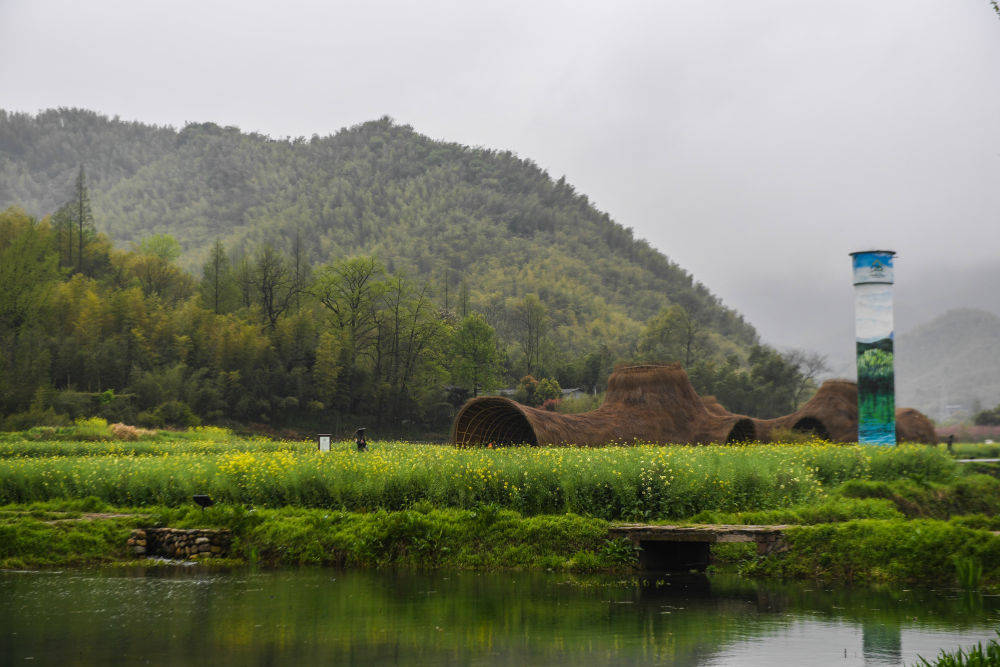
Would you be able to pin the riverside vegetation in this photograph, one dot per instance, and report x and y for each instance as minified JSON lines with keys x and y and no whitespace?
{"x":907,"y":513}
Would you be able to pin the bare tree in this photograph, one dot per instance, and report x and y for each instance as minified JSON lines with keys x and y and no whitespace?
{"x":810,"y":365}
{"x":530,"y":323}
{"x":276,"y":284}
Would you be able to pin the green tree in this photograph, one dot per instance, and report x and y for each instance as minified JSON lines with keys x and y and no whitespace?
{"x":547,"y":389}
{"x":163,"y":246}
{"x":218,"y":287}
{"x":81,"y":214}
{"x":988,"y":417}
{"x":155,"y":272}
{"x":328,"y":366}
{"x":352,"y":293}
{"x":476,"y":360}
{"x":28,"y":271}
{"x":525,"y":391}
{"x":275,"y":285}
{"x":674,"y":335}
{"x":530,"y":323}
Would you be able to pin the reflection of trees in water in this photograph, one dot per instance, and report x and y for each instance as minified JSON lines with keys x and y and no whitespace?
{"x":331,"y":616}
{"x":881,"y":643}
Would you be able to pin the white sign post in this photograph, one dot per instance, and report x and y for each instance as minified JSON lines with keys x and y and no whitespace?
{"x":323,"y":440}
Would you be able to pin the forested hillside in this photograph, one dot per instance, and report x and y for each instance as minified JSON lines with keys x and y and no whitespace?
{"x":366,"y":269}
{"x":441,"y":211}
{"x":950,"y":366}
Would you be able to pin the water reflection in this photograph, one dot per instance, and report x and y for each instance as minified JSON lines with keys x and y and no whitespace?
{"x":312,"y":616}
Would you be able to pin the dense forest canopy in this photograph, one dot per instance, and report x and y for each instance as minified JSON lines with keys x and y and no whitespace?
{"x":365,"y":272}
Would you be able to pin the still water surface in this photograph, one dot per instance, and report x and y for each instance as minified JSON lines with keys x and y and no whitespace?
{"x":312,"y":616}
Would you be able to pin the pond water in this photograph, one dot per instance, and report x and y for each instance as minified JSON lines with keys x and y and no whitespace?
{"x":167,"y":616}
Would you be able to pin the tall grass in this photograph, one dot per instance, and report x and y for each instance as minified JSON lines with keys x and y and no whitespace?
{"x":977,"y":656}
{"x":643,"y":482}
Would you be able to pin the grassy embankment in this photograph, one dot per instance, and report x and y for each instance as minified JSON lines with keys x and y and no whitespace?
{"x":865,"y":513}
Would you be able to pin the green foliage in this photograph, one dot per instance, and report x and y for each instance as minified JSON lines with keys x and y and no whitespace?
{"x":482,"y":538}
{"x":978,"y":655}
{"x":30,"y":537}
{"x":919,"y":498}
{"x":497,"y":225}
{"x":477,"y":358}
{"x":163,"y":246}
{"x":175,"y":413}
{"x":872,"y":550}
{"x":827,"y":511}
{"x":259,"y":338}
{"x":988,"y":417}
{"x":674,"y":335}
{"x":642,"y":482}
{"x":547,"y":390}
{"x":969,"y":571}
{"x":767,"y":386}
{"x":577,"y":404}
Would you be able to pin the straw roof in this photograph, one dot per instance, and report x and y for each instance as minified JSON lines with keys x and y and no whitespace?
{"x":914,"y":426}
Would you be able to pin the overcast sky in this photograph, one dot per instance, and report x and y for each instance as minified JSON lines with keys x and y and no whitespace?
{"x":755,"y":143}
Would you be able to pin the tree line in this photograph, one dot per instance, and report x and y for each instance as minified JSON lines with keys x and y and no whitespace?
{"x":261,"y":335}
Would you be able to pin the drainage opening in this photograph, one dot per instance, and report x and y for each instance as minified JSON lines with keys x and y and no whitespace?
{"x":673,"y":556}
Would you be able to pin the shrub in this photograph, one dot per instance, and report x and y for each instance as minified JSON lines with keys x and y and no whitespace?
{"x":920,"y":550}
{"x":966,"y":495}
{"x":177,"y":413}
{"x":129,"y":433}
{"x":35,"y":417}
{"x":91,"y":428}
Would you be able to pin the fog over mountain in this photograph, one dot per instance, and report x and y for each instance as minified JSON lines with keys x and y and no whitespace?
{"x":755,"y":144}
{"x":949,"y":367}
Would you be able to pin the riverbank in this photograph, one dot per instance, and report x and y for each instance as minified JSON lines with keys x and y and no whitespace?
{"x":831,"y":543}
{"x":89,"y":532}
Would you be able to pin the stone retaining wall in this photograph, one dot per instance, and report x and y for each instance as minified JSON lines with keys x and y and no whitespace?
{"x":178,"y":543}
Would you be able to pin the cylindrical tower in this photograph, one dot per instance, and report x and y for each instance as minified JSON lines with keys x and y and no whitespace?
{"x":874,"y":340}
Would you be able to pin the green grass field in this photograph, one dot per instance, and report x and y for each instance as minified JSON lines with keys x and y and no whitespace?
{"x":906,"y":513}
{"x":612,"y":483}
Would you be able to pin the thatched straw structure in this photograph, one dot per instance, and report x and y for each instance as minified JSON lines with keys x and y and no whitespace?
{"x":712,"y":404}
{"x":650,"y":403}
{"x":656,"y":403}
{"x":914,"y":426}
{"x":831,"y":414}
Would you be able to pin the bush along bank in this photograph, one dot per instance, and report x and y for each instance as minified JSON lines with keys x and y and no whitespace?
{"x":840,"y":539}
{"x":958,"y":552}
{"x":90,"y":533}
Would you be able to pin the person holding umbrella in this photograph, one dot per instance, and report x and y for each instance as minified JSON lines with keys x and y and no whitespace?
{"x":359,"y":437}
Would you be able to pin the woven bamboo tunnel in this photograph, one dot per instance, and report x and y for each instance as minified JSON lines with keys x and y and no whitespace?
{"x":656,"y":403}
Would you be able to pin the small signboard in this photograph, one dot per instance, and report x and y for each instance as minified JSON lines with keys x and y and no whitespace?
{"x":324,"y":442}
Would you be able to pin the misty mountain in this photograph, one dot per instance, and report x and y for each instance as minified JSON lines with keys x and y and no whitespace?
{"x":487,"y":222}
{"x":951,"y":364}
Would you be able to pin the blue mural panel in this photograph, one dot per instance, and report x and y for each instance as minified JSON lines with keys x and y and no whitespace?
{"x":873,"y":279}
